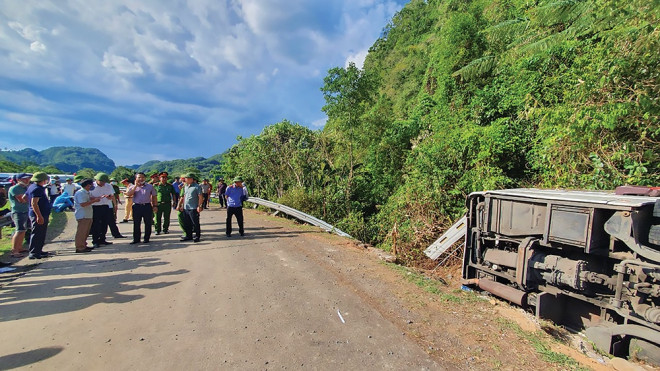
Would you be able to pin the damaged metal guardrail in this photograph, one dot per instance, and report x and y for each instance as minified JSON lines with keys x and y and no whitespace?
{"x":298,"y":215}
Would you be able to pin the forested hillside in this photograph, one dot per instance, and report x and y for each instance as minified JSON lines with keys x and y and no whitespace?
{"x":460,"y":96}
{"x":67,"y":159}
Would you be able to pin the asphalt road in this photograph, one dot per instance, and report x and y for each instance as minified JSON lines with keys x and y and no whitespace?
{"x":275,"y":299}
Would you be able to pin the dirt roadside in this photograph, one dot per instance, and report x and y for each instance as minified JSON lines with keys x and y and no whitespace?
{"x":290,"y":296}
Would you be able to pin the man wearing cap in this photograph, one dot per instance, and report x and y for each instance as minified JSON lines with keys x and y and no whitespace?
{"x":145,"y":202}
{"x":103,"y":214}
{"x":191,"y":205}
{"x":77,"y":179}
{"x":84,"y":214}
{"x":38,"y":212}
{"x":165,"y":193}
{"x":236,"y":194}
{"x":128,"y":212}
{"x":19,"y":212}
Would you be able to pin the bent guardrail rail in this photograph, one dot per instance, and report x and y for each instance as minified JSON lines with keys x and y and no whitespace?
{"x":298,"y":215}
{"x":450,"y":237}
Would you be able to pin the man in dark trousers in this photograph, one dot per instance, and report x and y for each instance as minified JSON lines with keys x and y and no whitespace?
{"x":206,"y":188}
{"x":165,"y":193}
{"x":236,"y":194}
{"x":222,"y":187}
{"x":145,"y":203}
{"x":191,"y":204}
{"x":39,"y":213}
{"x":103,"y":214}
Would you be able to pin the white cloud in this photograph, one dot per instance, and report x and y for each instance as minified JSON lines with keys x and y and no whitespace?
{"x":28,"y":32}
{"x":37,"y":46}
{"x":230,"y":66}
{"x":121,"y":64}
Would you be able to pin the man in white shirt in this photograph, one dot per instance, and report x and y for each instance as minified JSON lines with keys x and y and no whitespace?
{"x":103,"y":213}
{"x":69,"y":187}
{"x":53,"y":189}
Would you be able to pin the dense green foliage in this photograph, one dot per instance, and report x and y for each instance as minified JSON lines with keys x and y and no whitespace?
{"x":66,"y":159}
{"x":460,"y":96}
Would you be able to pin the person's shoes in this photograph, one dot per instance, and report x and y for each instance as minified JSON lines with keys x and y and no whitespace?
{"x":185,"y":239}
{"x":157,"y":233}
{"x":31,"y":256}
{"x":196,"y":239}
{"x":105,"y":243}
{"x":124,"y":221}
{"x":146,"y":241}
{"x":83,"y":251}
{"x":120,"y":236}
{"x":228,"y":235}
{"x":166,"y":232}
{"x":242,"y":234}
{"x":134,"y":242}
{"x":45,"y":254}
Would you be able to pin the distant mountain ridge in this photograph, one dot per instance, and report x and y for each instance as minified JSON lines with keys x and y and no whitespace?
{"x":67,"y":159}
{"x":179,"y":166}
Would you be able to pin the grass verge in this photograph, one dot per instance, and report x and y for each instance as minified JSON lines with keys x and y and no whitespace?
{"x":539,"y":340}
{"x":436,"y":287}
{"x":56,"y":225}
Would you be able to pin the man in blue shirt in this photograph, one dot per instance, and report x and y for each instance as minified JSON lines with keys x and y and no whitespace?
{"x":236,"y":194}
{"x":38,"y":212}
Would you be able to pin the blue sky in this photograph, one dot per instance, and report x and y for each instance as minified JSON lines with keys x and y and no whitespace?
{"x":159,"y":79}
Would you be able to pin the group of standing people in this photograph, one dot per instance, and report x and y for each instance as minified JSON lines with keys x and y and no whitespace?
{"x":152,"y":202}
{"x":95,"y":204}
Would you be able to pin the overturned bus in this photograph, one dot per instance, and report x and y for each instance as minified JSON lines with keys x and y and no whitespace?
{"x":585,"y":260}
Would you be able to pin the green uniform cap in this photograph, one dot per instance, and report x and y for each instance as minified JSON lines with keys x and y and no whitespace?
{"x":78,"y":178}
{"x":238,"y":179}
{"x":39,"y":176}
{"x":102,"y":177}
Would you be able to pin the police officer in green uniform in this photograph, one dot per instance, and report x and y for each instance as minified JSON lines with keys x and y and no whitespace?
{"x":165,"y":193}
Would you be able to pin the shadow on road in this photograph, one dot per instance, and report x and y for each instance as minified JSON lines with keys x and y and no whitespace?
{"x":25,"y":358}
{"x":71,"y":285}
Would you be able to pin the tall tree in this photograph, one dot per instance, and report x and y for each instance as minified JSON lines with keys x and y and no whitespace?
{"x":347,"y":92}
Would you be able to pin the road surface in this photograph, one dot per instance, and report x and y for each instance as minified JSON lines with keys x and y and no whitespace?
{"x":270,"y":300}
